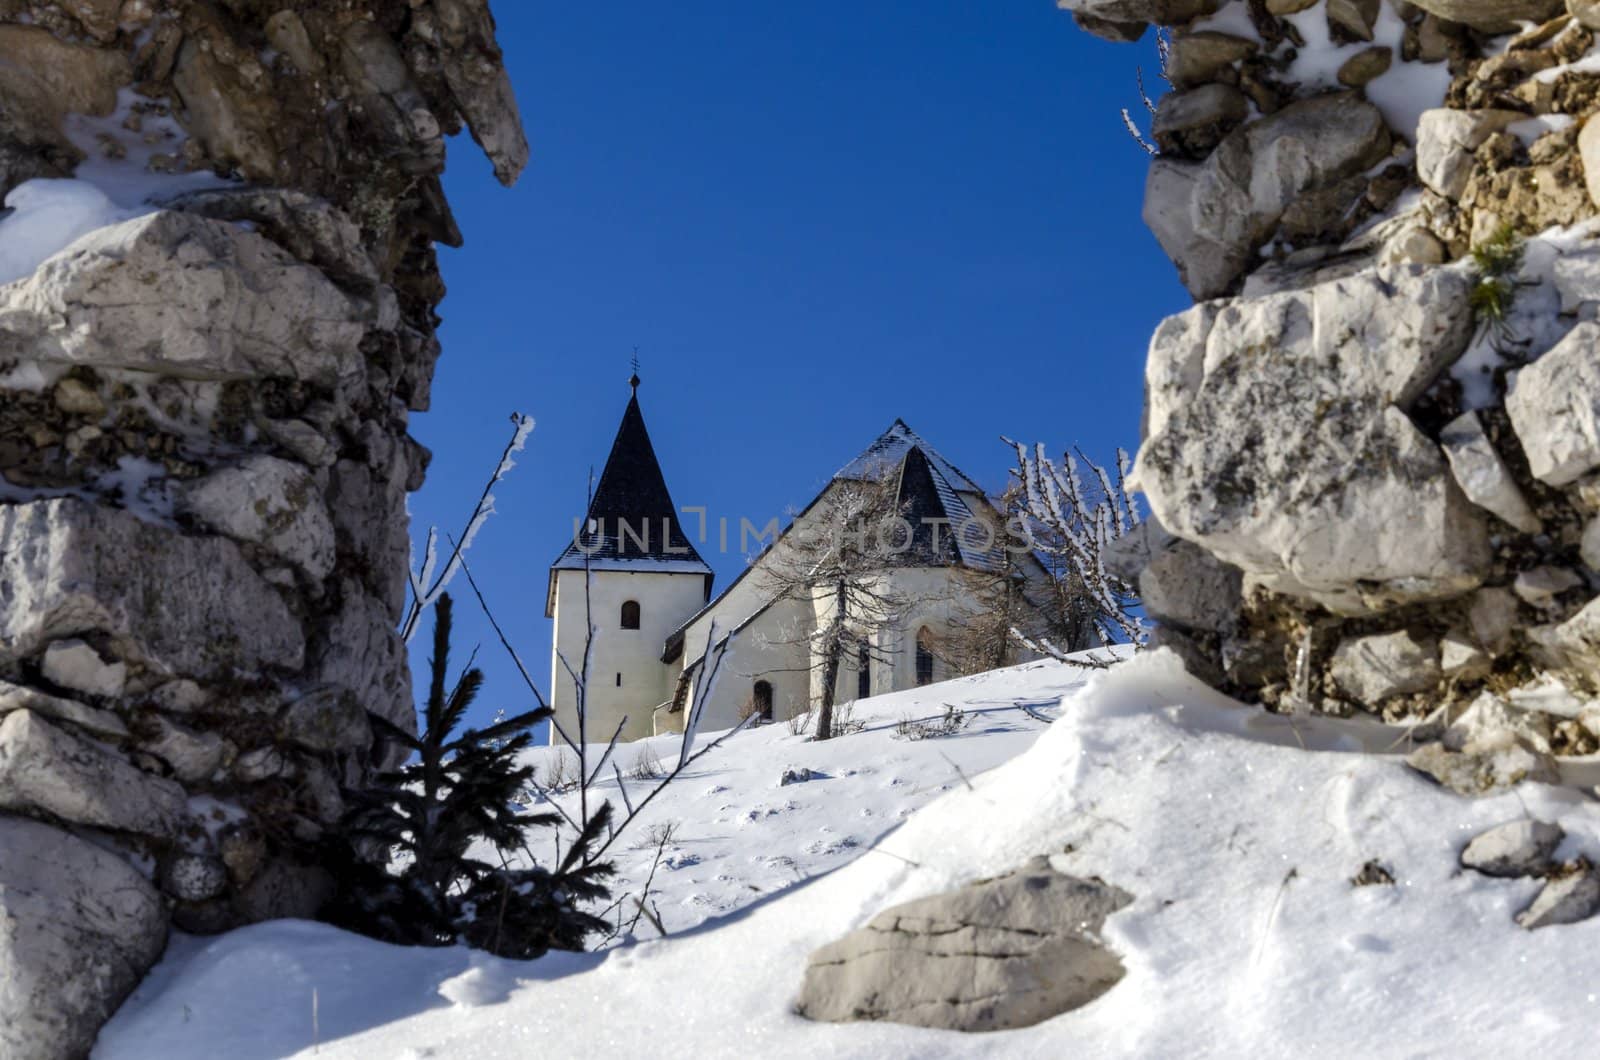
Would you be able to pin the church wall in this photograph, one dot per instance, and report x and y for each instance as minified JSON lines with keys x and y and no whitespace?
{"x":771,"y":648}
{"x":645,"y":682}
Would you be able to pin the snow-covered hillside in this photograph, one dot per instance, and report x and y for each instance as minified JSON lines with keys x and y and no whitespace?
{"x":1238,"y":834}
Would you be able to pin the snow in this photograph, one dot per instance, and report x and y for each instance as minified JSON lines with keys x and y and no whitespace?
{"x":48,"y":216}
{"x":1237,"y":832}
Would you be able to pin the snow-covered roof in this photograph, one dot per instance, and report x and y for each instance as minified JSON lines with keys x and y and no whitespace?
{"x":890,"y":449}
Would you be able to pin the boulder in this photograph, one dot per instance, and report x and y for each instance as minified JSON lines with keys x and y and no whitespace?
{"x":181,"y":604}
{"x":43,"y":79}
{"x":1495,"y":16}
{"x":326,"y":719}
{"x":1493,"y":616}
{"x":1517,"y":848}
{"x":74,"y":665}
{"x":1153,"y":12}
{"x":994,"y":955}
{"x":1446,"y":140}
{"x":1284,"y":450}
{"x":1554,"y":404}
{"x":1483,"y":769}
{"x":1543,"y":586}
{"x":1210,"y":217}
{"x":1573,"y":646}
{"x":268,"y":502}
{"x":1371,"y":669}
{"x":1586,"y":13}
{"x":1186,"y":585}
{"x":193,"y":756}
{"x":1352,"y":20}
{"x":1482,"y":475}
{"x":1589,"y":545}
{"x":310,"y":228}
{"x":1565,"y":899}
{"x":194,"y":877}
{"x":44,"y":769}
{"x":1460,"y":657}
{"x":478,"y":82}
{"x":181,"y":295}
{"x":1196,"y":58}
{"x":102,"y":723}
{"x":1365,"y":66}
{"x":79,"y":927}
{"x":1190,"y":124}
{"x":1576,"y":277}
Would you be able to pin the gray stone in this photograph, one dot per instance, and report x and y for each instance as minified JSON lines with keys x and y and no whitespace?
{"x":1413,"y":244}
{"x":482,"y":89}
{"x":1589,"y":545}
{"x":44,"y":769}
{"x":310,"y":228}
{"x":1483,"y":769}
{"x":1572,"y":646}
{"x":1371,"y":669}
{"x":1554,"y":404}
{"x":1110,"y":29}
{"x":181,"y":295}
{"x":1353,"y":19}
{"x":1192,"y":123}
{"x":1152,"y":12}
{"x":1482,"y":475}
{"x":77,"y":398}
{"x":178,"y":604}
{"x":1517,"y":848}
{"x":1565,"y":899}
{"x":1497,"y":16}
{"x":100,"y":722}
{"x":44,"y":79}
{"x":263,"y":763}
{"x":1490,"y":722}
{"x":74,"y":665}
{"x":359,"y":651}
{"x":1291,"y":459}
{"x":193,"y":756}
{"x":79,"y":927}
{"x":269,"y":502}
{"x":1541,"y":586}
{"x":1493,"y":615}
{"x":1365,"y":66}
{"x":194,"y":877}
{"x":1460,"y":657}
{"x":1585,"y":12}
{"x":1197,"y":58}
{"x":1446,"y":140}
{"x":994,"y":955}
{"x":1210,"y":217}
{"x":1186,"y":585}
{"x":326,"y":719}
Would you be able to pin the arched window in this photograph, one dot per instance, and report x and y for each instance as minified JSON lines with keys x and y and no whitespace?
{"x":863,"y":671}
{"x":762,"y":695}
{"x":630,"y":614}
{"x":924,"y":656}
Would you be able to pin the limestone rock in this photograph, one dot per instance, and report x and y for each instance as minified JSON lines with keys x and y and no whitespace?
{"x":74,"y":665}
{"x":79,"y":927}
{"x":100,"y":722}
{"x":1197,"y":58}
{"x":1110,"y":29}
{"x":1589,"y":547}
{"x":994,"y":955}
{"x":269,"y":502}
{"x":1482,"y":475}
{"x":43,"y":79}
{"x":184,"y":604}
{"x":1541,"y":586}
{"x":181,"y":295}
{"x":1493,"y":15}
{"x":326,"y":719}
{"x":1154,"y":12}
{"x":194,"y":756}
{"x":194,"y":877}
{"x":310,"y":228}
{"x":44,"y":769}
{"x":1290,"y":457}
{"x":1186,"y":585}
{"x":1493,"y":615}
{"x":1353,"y":19}
{"x":1460,"y":657}
{"x":1517,"y":848}
{"x":482,"y":89}
{"x":359,"y":651}
{"x":1554,"y":405}
{"x":1565,"y":899}
{"x":1589,"y":151}
{"x":1483,"y":770}
{"x":1211,"y":216}
{"x":1577,"y":280}
{"x":1374,"y":668}
{"x":1192,"y":123}
{"x":1365,"y":66}
{"x":1572,"y":646}
{"x":1446,"y":140}
{"x":1585,"y":12}
{"x":1490,"y":722}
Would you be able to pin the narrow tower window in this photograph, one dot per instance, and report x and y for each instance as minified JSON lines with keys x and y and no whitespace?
{"x":924,"y":656}
{"x":863,"y":671}
{"x":630,"y":614}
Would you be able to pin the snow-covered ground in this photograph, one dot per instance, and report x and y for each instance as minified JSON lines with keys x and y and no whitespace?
{"x":1238,"y":834}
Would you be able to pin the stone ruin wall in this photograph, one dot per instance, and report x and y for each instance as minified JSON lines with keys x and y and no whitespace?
{"x":1373,"y":458}
{"x":204,"y":459}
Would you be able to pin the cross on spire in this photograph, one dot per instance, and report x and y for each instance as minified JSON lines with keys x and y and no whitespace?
{"x":634,"y":382}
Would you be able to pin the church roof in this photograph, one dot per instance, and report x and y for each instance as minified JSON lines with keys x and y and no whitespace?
{"x":929,"y":488}
{"x":632,"y":523}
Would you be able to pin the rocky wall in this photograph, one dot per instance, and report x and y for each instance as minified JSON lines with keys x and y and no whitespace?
{"x":1372,"y":447}
{"x":204,"y":455}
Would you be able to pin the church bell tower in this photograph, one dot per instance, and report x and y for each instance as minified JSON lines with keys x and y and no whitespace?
{"x":628,"y":578}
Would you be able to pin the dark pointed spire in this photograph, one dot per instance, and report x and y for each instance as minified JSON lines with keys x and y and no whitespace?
{"x":631,"y":516}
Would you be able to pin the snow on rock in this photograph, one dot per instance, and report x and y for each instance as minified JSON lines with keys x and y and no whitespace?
{"x":48,"y":216}
{"x":1237,"y":832}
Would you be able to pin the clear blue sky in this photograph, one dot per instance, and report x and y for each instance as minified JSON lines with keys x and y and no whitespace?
{"x":810,"y":218}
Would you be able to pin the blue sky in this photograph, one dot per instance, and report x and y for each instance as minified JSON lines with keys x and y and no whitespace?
{"x":810,"y":218}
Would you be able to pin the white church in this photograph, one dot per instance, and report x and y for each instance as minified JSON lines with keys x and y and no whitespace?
{"x":633,"y":576}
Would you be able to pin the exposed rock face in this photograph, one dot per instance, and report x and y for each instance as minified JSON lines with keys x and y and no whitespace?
{"x":1382,"y":413}
{"x":994,"y":955}
{"x":78,"y":928}
{"x":204,"y":457}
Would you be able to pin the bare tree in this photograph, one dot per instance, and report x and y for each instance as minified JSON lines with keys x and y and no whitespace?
{"x":1074,"y":512}
{"x":837,"y":562}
